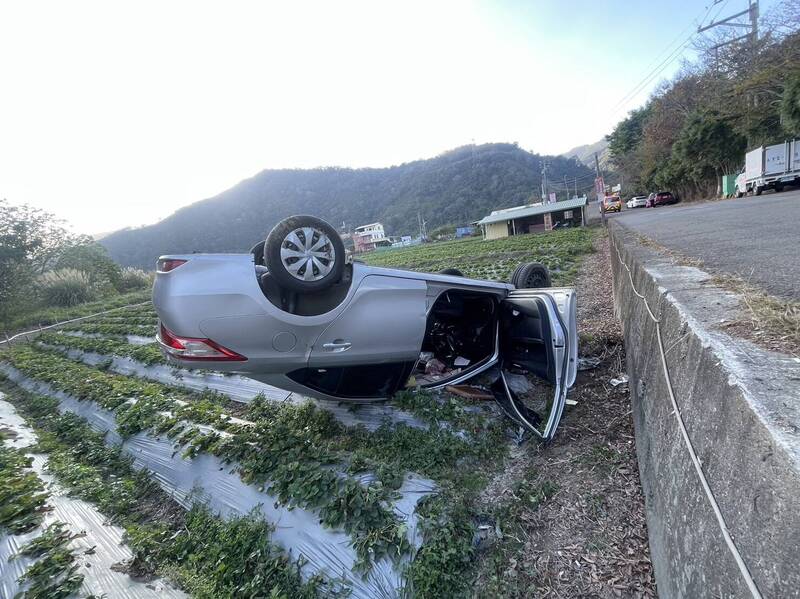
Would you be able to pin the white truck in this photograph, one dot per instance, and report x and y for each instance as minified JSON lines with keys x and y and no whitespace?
{"x":769,"y":167}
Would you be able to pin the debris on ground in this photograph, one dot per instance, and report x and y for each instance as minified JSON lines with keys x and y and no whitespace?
{"x":588,"y":363}
{"x":469,"y":392}
{"x":617,"y":381}
{"x":572,"y":512}
{"x":434,"y":366}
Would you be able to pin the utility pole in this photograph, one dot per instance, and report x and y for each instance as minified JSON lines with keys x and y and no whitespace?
{"x":599,"y":197}
{"x":751,"y":11}
{"x":576,"y":186}
{"x":422,"y":232}
{"x":566,"y":187}
{"x":544,"y":182}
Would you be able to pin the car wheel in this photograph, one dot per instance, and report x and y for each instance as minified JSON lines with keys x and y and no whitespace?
{"x":304,"y":253}
{"x":758,"y":190}
{"x":531,"y":276}
{"x":451,"y":271}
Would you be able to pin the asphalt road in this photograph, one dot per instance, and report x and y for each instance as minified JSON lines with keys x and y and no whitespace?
{"x":755,"y":238}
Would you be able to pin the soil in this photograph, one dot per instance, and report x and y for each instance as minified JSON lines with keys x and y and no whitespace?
{"x":588,"y":538}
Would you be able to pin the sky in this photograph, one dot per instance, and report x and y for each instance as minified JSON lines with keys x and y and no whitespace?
{"x":115,"y":114}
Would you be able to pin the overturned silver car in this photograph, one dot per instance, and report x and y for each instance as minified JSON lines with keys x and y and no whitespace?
{"x":295,"y":313}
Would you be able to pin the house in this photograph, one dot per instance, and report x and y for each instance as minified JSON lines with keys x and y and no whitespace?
{"x":368,"y":237}
{"x":534,"y":218}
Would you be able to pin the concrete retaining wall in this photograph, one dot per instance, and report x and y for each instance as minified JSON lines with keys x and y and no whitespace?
{"x":741,"y":408}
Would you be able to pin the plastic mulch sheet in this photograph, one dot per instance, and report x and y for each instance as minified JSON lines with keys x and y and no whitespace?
{"x":243,"y":389}
{"x":81,"y":517}
{"x":206,"y":478}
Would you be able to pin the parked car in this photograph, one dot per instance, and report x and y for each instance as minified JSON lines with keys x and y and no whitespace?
{"x":295,"y":314}
{"x":637,"y":202}
{"x":612,"y":204}
{"x":661,"y":198}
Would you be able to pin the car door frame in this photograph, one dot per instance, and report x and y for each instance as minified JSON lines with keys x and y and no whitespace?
{"x":561,"y":310}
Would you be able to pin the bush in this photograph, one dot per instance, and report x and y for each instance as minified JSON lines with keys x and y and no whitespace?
{"x":93,"y":259}
{"x":134,"y":278}
{"x":66,"y":287}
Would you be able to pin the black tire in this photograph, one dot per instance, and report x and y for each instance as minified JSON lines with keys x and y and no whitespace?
{"x":451,"y":271}
{"x":515,"y":274}
{"x":758,"y":190}
{"x":258,"y":253}
{"x":532,"y":276}
{"x":277,"y":240}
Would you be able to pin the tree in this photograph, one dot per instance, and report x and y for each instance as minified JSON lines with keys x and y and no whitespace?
{"x":790,"y":106}
{"x":90,"y":257}
{"x":627,"y":135}
{"x":30,"y":242}
{"x":708,"y":147}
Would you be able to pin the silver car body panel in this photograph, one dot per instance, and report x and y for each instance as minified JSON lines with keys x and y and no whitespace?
{"x":381,"y":320}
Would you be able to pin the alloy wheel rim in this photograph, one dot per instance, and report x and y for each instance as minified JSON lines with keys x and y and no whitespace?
{"x":308,"y":254}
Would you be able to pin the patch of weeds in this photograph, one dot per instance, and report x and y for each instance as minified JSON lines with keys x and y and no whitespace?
{"x":596,"y":504}
{"x":597,"y":544}
{"x":22,"y":493}
{"x":601,"y":457}
{"x":527,"y":496}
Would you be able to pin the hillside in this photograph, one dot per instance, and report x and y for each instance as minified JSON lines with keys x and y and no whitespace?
{"x":585,"y":154}
{"x":456,"y":187}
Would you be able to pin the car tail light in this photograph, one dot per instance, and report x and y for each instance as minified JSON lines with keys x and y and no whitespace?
{"x":190,"y":348}
{"x":167,"y":264}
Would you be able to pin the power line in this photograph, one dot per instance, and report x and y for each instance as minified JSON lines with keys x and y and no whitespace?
{"x":652,"y":74}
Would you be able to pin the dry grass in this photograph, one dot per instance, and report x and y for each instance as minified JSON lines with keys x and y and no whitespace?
{"x":766,"y":320}
{"x":769,"y":322}
{"x":571,"y":515}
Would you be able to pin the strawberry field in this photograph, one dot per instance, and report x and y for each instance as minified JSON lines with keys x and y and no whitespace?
{"x":561,"y":251}
{"x":219,"y":486}
{"x":370,"y":501}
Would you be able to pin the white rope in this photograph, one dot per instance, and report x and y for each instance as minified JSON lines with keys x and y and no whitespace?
{"x":9,"y":340}
{"x":748,"y":578}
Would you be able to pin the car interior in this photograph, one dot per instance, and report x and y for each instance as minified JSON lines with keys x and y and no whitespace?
{"x":460,"y":333}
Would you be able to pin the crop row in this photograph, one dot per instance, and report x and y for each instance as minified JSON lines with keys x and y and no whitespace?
{"x":292,"y":450}
{"x":92,"y":328}
{"x":188,"y":546}
{"x":123,"y":318}
{"x":146,"y":354}
{"x":23,"y":500}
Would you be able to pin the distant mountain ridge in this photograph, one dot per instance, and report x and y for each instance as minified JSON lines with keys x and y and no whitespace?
{"x":586,"y":152}
{"x":456,"y":187}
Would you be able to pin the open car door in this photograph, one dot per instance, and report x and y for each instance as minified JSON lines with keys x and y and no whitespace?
{"x":538,"y":335}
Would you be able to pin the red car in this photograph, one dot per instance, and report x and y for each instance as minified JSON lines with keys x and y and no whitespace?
{"x":662,"y":198}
